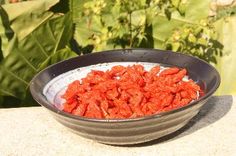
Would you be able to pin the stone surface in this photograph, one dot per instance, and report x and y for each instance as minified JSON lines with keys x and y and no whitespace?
{"x":33,"y":131}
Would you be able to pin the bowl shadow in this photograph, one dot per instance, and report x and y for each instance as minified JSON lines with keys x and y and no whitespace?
{"x":215,"y":108}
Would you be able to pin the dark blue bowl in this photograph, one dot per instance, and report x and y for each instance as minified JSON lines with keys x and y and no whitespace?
{"x":136,"y":130}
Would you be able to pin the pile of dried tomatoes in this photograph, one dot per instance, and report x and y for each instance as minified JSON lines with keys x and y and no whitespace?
{"x":129,"y":92}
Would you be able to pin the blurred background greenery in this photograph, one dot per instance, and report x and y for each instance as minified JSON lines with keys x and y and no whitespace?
{"x":35,"y":34}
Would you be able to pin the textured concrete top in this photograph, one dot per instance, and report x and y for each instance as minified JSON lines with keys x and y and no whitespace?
{"x":33,"y":131}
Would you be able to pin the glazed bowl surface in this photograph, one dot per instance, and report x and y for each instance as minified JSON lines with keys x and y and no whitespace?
{"x":47,"y":86}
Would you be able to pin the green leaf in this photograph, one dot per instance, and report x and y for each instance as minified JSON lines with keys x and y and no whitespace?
{"x":76,"y":6}
{"x":60,"y":55}
{"x":192,"y":38}
{"x":182,"y":8}
{"x":163,"y":28}
{"x":84,"y":31}
{"x":226,"y":64}
{"x":202,"y":41}
{"x":175,"y":46}
{"x":138,"y":18}
{"x":24,"y":20}
{"x":89,"y":28}
{"x":126,"y":22}
{"x":27,"y":55}
{"x":6,"y":33}
{"x":175,"y":3}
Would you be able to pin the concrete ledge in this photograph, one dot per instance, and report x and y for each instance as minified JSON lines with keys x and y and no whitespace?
{"x":33,"y":131}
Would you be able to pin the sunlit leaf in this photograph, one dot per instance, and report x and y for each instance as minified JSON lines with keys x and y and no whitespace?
{"x":226,"y":65}
{"x":24,"y":18}
{"x":28,"y":56}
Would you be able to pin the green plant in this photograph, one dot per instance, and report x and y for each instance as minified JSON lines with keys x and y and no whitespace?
{"x":27,"y":50}
{"x":42,"y":31}
{"x":225,"y":26}
{"x":199,"y":40}
{"x":125,"y":24}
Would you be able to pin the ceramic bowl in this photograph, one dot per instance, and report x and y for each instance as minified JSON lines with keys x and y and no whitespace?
{"x":49,"y":83}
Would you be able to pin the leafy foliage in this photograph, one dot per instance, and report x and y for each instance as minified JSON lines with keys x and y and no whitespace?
{"x":226,"y":65}
{"x":118,"y":24}
{"x":26,"y":57}
{"x":41,"y":32}
{"x":200,"y":40}
{"x":21,"y":22}
{"x":141,"y":23}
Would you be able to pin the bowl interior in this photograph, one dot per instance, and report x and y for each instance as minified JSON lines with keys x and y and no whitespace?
{"x":49,"y":84}
{"x":54,"y":90}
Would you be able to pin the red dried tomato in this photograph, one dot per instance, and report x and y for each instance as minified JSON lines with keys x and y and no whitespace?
{"x":129,"y":92}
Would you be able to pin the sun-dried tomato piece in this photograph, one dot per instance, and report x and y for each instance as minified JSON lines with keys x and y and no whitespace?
{"x":112,"y":94}
{"x":72,"y":89}
{"x":192,"y":94}
{"x":117,"y":70}
{"x":124,"y":95}
{"x":139,"y":68}
{"x":184,"y":102}
{"x":177,"y":99}
{"x":93,"y":111}
{"x":69,"y":107}
{"x":184,"y":94}
{"x":180,"y":75}
{"x":136,"y":96}
{"x":167,"y":100}
{"x":125,"y":110}
{"x":155,"y":70}
{"x":169,"y":71}
{"x":80,"y":110}
{"x":137,"y":112}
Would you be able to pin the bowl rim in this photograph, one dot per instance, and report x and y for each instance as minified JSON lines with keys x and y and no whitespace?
{"x":158,"y":115}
